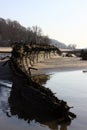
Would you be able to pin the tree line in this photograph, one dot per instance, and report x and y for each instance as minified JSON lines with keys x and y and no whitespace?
{"x":12,"y":32}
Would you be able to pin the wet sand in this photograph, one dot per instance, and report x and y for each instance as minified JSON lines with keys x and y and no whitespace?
{"x":49,"y":66}
{"x":5,"y":49}
{"x":60,"y":64}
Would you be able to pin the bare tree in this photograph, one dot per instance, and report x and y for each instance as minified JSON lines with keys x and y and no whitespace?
{"x":13,"y":31}
{"x":71,"y":46}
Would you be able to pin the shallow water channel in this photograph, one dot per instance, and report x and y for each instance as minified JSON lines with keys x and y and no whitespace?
{"x":70,"y":86}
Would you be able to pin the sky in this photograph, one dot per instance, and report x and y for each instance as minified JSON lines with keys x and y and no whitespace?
{"x":63,"y":20}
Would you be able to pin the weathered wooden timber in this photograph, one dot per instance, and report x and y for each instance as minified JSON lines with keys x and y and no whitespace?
{"x":32,"y":95}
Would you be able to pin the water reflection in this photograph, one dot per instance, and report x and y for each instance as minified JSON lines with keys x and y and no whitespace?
{"x":5,"y":83}
{"x":12,"y":104}
{"x":4,"y":93}
{"x":71,"y":86}
{"x":41,"y":79}
{"x":28,"y":113}
{"x":2,"y":55}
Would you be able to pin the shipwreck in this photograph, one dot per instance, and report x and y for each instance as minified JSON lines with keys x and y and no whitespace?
{"x":31,"y":95}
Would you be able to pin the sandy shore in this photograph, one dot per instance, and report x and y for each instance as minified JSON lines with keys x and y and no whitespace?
{"x":60,"y":64}
{"x":49,"y":66}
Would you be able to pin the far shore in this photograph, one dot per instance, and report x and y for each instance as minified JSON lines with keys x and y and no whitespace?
{"x":56,"y":64}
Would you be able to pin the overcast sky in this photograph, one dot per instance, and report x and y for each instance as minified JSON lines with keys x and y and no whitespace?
{"x":63,"y":20}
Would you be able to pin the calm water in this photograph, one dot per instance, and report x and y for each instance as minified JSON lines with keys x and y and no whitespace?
{"x":70,"y":86}
{"x":4,"y":55}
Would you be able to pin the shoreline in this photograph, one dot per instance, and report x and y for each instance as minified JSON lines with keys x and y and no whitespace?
{"x":60,"y":64}
{"x":57,"y":64}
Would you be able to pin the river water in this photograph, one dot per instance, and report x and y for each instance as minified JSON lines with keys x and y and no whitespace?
{"x":70,"y":86}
